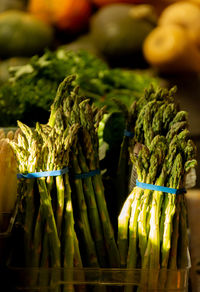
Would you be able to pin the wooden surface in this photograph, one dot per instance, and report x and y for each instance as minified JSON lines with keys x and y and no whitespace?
{"x":193,"y":202}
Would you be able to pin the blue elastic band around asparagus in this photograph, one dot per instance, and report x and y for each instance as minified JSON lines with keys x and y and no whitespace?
{"x":128,"y":134}
{"x":160,"y":188}
{"x":87,"y":174}
{"x":43,"y":173}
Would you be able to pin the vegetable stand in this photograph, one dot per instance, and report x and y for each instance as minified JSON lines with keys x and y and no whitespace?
{"x":63,"y":226}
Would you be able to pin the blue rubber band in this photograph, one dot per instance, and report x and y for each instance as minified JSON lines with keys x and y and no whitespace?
{"x":43,"y":173}
{"x":160,"y":188}
{"x":128,"y":134}
{"x":87,"y":174}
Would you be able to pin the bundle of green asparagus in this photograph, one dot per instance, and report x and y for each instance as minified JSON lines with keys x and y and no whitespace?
{"x":91,"y":214}
{"x":45,"y":218}
{"x":152,"y":225}
{"x":63,"y":221}
{"x":139,"y":117}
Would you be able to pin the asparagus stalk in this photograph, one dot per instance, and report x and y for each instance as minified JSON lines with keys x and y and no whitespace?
{"x":47,"y":210}
{"x":181,"y":116}
{"x":68,"y":235}
{"x":93,"y":213}
{"x":123,"y":226}
{"x":132,"y":251}
{"x":63,"y":91}
{"x":142,"y":164}
{"x":173,"y":256}
{"x":27,"y":144}
{"x":123,"y":169}
{"x":83,"y":111}
{"x":157,"y":148}
{"x":133,"y":256}
{"x":150,"y":110}
{"x":169,"y":114}
{"x":175,"y":129}
{"x":65,"y":208}
{"x":112,"y":250}
{"x":152,"y":252}
{"x":157,"y":121}
{"x":170,"y":209}
{"x":179,"y":250}
{"x":82,"y":218}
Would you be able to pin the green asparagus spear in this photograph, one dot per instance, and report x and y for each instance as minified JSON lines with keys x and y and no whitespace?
{"x":82,"y":218}
{"x":93,"y":213}
{"x":123,"y":226}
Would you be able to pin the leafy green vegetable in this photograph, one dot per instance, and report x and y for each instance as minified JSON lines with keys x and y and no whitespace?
{"x":28,"y":93}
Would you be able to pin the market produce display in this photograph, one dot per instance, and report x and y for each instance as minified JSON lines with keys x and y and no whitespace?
{"x":99,"y":156}
{"x":30,"y":91}
{"x":63,"y":219}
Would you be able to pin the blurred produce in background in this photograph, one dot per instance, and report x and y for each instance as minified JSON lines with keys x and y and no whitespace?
{"x":21,"y":34}
{"x":174,"y":45}
{"x":27,"y":95}
{"x":12,"y":4}
{"x":119,"y":30}
{"x":125,"y":33}
{"x":117,"y":48}
{"x":70,"y":15}
{"x":7,"y":64}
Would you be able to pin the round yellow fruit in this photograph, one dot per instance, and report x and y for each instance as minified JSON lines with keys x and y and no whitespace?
{"x":170,"y":49}
{"x":185,"y":14}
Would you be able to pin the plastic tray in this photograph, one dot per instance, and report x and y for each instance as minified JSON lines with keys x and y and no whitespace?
{"x":90,"y":279}
{"x":14,"y":279}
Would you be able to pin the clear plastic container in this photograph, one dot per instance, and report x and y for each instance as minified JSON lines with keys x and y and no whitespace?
{"x":14,"y":279}
{"x":92,"y":279}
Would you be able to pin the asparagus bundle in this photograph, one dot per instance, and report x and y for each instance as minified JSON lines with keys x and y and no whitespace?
{"x":44,"y":211}
{"x":156,"y":107}
{"x":92,"y":218}
{"x":63,"y":220}
{"x":152,"y":230}
{"x":47,"y":236}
